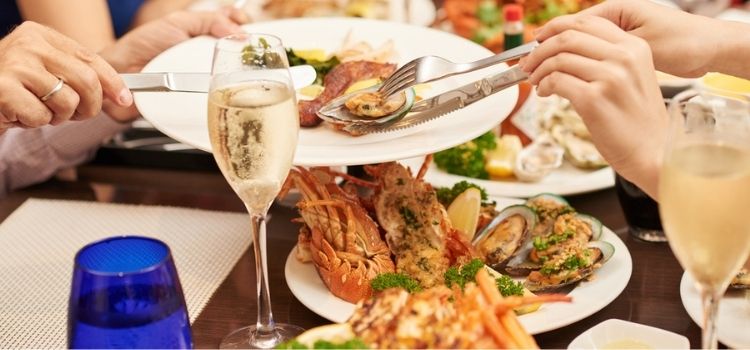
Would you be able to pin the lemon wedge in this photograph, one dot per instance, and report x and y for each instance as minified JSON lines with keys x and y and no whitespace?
{"x":312,"y":54}
{"x":311,"y":91}
{"x":362,"y":84}
{"x":464,"y":211}
{"x":501,"y":160}
{"x":727,"y":82}
{"x":526,"y":309}
{"x":527,"y":293}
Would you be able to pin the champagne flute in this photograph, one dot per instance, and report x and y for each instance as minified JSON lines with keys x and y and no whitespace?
{"x":704,"y":192}
{"x":253,"y":126}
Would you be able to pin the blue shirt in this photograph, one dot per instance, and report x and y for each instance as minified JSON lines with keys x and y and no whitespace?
{"x":121,"y":11}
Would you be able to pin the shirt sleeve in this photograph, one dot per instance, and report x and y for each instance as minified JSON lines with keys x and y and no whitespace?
{"x":30,"y":156}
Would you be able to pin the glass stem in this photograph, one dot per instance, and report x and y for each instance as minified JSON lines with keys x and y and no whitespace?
{"x":710,"y":300}
{"x":265,"y":325}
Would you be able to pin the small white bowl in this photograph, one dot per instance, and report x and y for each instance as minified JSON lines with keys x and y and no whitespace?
{"x":619,"y":334}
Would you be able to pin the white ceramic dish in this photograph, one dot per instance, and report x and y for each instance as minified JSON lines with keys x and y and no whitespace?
{"x":588,"y":297}
{"x":567,"y":180}
{"x":182,"y":116}
{"x":423,"y":12}
{"x":733,"y":323}
{"x":614,"y":334}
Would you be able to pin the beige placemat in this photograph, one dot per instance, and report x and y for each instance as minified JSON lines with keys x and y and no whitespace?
{"x":39,"y":240}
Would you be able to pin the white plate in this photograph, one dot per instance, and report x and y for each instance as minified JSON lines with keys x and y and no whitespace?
{"x":423,"y":12}
{"x":588,"y":297}
{"x":734,"y":313}
{"x":182,"y":116}
{"x":614,"y":333}
{"x":567,"y":180}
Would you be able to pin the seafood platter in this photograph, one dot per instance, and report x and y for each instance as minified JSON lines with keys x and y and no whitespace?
{"x":560,"y":158}
{"x":349,"y":55}
{"x":364,"y":236}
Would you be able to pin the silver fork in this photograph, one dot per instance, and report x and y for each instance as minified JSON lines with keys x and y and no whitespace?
{"x":430,"y":68}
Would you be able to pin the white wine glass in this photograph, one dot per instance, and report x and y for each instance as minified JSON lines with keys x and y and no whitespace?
{"x":704,"y":192}
{"x":253,"y":126}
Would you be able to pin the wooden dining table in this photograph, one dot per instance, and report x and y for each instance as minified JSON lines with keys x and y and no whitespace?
{"x":651,"y":296}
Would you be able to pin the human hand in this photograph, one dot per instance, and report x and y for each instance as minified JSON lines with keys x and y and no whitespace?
{"x":683,"y":44}
{"x":608,"y":75}
{"x":34,"y":58}
{"x":142,"y":44}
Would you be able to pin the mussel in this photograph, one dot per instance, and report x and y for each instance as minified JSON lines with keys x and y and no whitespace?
{"x":548,"y":207}
{"x":367,"y":107}
{"x":571,"y":230}
{"x":570,"y":268}
{"x":505,"y":235}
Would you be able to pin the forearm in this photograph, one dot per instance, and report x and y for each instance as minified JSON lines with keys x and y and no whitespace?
{"x":85,"y":21}
{"x":155,"y":9}
{"x":30,"y":156}
{"x":733,"y":55}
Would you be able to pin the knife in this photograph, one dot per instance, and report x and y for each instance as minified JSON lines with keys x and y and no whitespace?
{"x":450,"y":101}
{"x":302,"y":76}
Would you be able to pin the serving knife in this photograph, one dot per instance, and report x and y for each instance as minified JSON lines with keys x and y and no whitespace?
{"x":450,"y":101}
{"x":302,"y":76}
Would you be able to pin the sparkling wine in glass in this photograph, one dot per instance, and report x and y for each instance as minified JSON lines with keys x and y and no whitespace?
{"x":704,"y":192}
{"x":253,"y":126}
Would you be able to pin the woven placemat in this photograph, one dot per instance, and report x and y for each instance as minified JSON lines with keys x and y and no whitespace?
{"x":40,"y":239}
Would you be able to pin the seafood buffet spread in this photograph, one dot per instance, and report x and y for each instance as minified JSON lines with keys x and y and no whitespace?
{"x":401,"y":235}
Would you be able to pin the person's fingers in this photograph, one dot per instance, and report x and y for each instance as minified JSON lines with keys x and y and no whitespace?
{"x":18,"y":104}
{"x":581,"y":67}
{"x":110,"y":82}
{"x":62,"y":103}
{"x":610,"y":10}
{"x":238,"y":16}
{"x":593,"y":25}
{"x":113,"y":86}
{"x":81,"y":77}
{"x":572,"y":41}
{"x":564,"y":85}
{"x":204,"y":23}
{"x":120,"y":114}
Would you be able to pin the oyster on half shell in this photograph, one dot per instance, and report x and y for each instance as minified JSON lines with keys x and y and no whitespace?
{"x":538,"y":159}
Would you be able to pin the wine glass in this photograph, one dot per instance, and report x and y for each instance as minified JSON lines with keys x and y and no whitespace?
{"x":704,"y":192}
{"x":253,"y":126}
{"x":126,"y":294}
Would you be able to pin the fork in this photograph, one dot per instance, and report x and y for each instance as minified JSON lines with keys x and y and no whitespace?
{"x":430,"y":68}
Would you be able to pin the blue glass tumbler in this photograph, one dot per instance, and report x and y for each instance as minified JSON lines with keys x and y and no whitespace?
{"x":126,"y":294}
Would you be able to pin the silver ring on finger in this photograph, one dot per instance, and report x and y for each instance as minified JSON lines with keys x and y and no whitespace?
{"x":55,"y":89}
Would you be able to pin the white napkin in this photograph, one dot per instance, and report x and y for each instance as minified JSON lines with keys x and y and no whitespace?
{"x":40,"y":239}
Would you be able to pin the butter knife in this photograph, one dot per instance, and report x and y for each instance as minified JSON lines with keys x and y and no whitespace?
{"x":450,"y":101}
{"x":302,"y":76}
